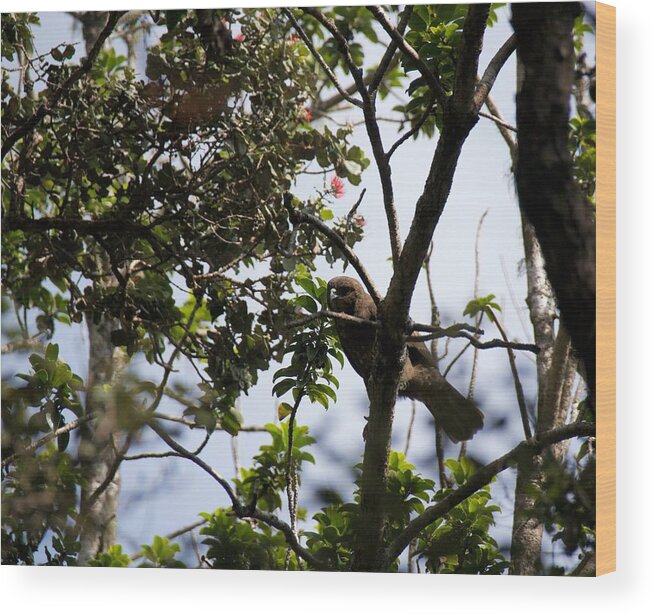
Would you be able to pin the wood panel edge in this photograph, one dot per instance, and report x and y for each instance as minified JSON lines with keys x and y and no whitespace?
{"x":606,"y":289}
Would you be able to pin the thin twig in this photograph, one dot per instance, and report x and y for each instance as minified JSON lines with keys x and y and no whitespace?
{"x":328,"y":71}
{"x":409,"y":51}
{"x":353,"y":209}
{"x":193,"y":424}
{"x":412,"y":131}
{"x":390,"y":53}
{"x":240,"y":510}
{"x":485,"y":84}
{"x":476,"y":293}
{"x":490,"y":344}
{"x":341,"y":316}
{"x":168,"y":454}
{"x":177,"y":533}
{"x":447,"y":331}
{"x":435,"y":319}
{"x":175,"y":446}
{"x":408,"y":438}
{"x":65,"y":429}
{"x":498,"y":121}
{"x":504,"y":128}
{"x":458,"y":330}
{"x":515,"y":376}
{"x":298,"y":216}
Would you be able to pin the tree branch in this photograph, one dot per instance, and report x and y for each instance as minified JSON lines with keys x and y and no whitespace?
{"x":490,"y":344}
{"x":372,"y":130}
{"x":469,"y":54}
{"x":345,"y":95}
{"x":412,"y":131}
{"x":390,"y":53}
{"x":485,"y":84}
{"x":65,"y":429}
{"x":483,"y":477}
{"x":342,"y":316}
{"x":498,"y":121}
{"x":410,"y":52}
{"x":518,"y":388}
{"x":175,"y":446}
{"x":504,"y":128}
{"x":240,"y":510}
{"x":549,"y":195}
{"x":53,"y":98}
{"x":193,"y":424}
{"x":298,"y":216}
{"x":454,"y":331}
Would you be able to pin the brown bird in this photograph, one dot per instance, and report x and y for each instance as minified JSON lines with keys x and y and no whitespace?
{"x":421,"y":380}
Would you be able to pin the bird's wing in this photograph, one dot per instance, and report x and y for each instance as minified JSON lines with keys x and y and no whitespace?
{"x":419,"y":354}
{"x":366,"y":308}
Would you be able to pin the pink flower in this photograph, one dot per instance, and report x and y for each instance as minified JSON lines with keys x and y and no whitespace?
{"x":338,"y":189}
{"x":293,"y":38}
{"x":240,"y":37}
{"x":359,"y":220}
{"x":306,"y":114}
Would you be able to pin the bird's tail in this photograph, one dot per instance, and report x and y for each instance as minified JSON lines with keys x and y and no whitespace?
{"x":459,"y":418}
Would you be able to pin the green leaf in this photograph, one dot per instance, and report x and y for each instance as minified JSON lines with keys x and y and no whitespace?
{"x":62,"y":441}
{"x":230,"y":423}
{"x":288,"y":371}
{"x":69,"y":51}
{"x":481,"y":303}
{"x":61,"y":375}
{"x":352,"y":168}
{"x":281,"y":388}
{"x":52,"y":352}
{"x":284,"y":410}
{"x":306,"y":302}
{"x":307,"y":284}
{"x":36,"y":361}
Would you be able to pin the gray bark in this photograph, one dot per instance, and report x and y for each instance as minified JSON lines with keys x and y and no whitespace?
{"x":98,"y":446}
{"x":98,"y":439}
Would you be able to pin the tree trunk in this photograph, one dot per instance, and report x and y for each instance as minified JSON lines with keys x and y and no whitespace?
{"x":548,"y":193}
{"x":98,"y":446}
{"x":98,"y":439}
{"x":528,"y":528}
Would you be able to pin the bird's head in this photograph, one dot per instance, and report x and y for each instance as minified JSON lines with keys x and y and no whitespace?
{"x":343,"y":292}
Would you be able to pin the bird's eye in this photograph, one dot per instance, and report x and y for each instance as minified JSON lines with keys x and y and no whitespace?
{"x":342,"y":290}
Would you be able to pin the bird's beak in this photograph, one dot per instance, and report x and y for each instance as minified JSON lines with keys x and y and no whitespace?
{"x":331,"y":294}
